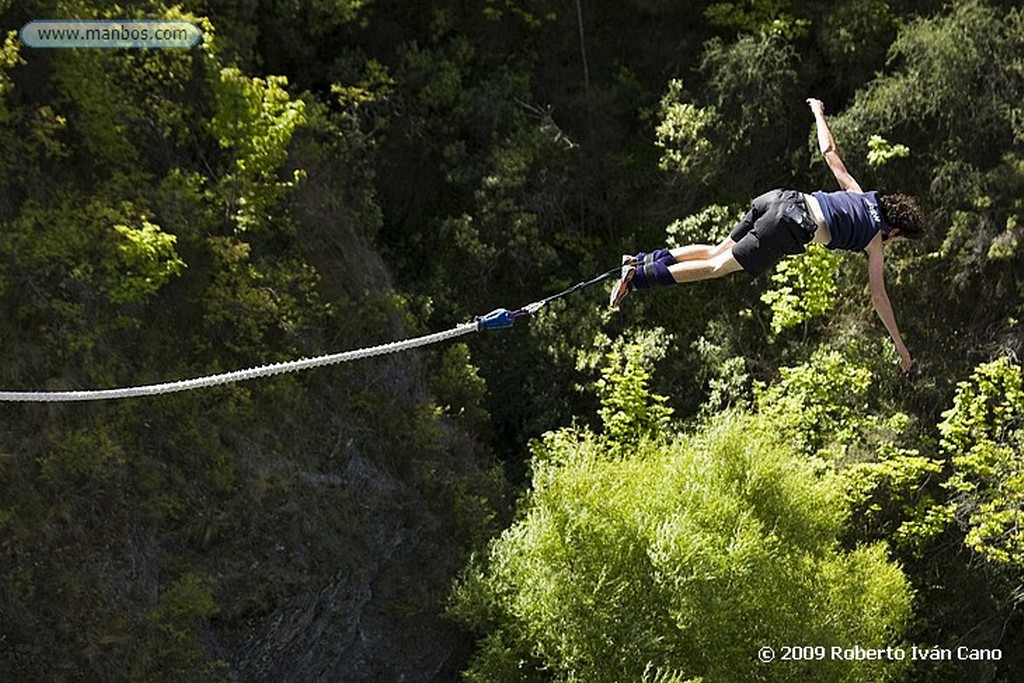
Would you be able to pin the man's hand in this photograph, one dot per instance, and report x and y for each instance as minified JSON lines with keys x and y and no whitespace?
{"x":827,"y":147}
{"x":906,"y":363}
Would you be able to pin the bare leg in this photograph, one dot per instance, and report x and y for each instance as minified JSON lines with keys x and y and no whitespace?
{"x":700,"y":252}
{"x":692,"y":252}
{"x":722,"y":263}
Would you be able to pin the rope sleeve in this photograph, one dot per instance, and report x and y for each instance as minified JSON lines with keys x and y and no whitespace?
{"x":237,"y":375}
{"x":498,"y":319}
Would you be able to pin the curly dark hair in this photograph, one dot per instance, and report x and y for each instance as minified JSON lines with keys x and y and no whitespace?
{"x":903,"y":213}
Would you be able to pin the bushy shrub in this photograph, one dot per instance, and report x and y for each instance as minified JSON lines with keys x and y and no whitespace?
{"x":659,"y":559}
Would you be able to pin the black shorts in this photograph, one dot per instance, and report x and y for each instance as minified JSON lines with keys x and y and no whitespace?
{"x":777,"y":225}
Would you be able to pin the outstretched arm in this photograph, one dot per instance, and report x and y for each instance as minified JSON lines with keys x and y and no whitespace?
{"x":880,"y":299}
{"x":827,"y":145}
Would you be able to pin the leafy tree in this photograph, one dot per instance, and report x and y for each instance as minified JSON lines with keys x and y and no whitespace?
{"x":144,"y":520}
{"x":890,"y":479}
{"x":629,"y":412}
{"x":255,"y":119}
{"x":677,"y":560}
{"x":8,"y":59}
{"x":853,"y":38}
{"x":752,"y":85}
{"x":932,"y":97}
{"x":711,"y":224}
{"x":682,"y":132}
{"x":806,"y":288}
{"x":819,"y":403}
{"x":740,"y":124}
{"x":983,"y":434}
{"x":149,"y":260}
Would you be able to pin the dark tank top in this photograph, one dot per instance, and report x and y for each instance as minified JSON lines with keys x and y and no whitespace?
{"x":852,"y":218}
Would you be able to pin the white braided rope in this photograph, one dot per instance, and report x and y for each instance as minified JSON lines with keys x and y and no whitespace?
{"x":237,"y":375}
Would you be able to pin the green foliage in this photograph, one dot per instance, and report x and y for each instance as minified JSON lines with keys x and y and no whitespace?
{"x":891,"y":494}
{"x":72,"y":246}
{"x":180,"y":610}
{"x":983,"y":434}
{"x":104,"y":110}
{"x":881,"y":151}
{"x":806,"y":287}
{"x":83,"y":456}
{"x":503,"y":228}
{"x":1006,"y":245}
{"x":629,"y":411}
{"x":757,"y":16}
{"x":708,"y":226}
{"x":127,"y":108}
{"x":255,"y":118}
{"x":854,"y":37}
{"x":255,"y":298}
{"x":374,"y":87}
{"x":530,"y":12}
{"x":678,"y":561}
{"x":333,"y":11}
{"x":459,"y":389}
{"x":683,"y":133}
{"x":730,"y":387}
{"x":9,"y":58}
{"x":147,"y":259}
{"x":49,"y":131}
{"x":889,"y":479}
{"x":751,"y":84}
{"x":940,"y":58}
{"x":820,"y":402}
{"x":961,"y":234}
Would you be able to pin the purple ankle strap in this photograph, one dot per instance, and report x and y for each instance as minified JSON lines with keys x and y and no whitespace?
{"x":652,"y":269}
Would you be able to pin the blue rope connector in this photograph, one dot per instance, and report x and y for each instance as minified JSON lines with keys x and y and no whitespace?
{"x":498,"y":319}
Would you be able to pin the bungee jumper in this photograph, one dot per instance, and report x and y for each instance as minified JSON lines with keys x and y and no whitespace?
{"x":783,"y":222}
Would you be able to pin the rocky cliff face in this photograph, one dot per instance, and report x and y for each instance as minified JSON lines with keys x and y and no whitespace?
{"x":372,"y":608}
{"x":377,"y":622}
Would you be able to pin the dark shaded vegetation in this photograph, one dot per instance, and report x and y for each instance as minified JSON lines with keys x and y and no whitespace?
{"x":331,"y":174}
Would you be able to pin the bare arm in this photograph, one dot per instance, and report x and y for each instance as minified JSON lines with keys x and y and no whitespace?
{"x":827,"y":146}
{"x":880,"y":299}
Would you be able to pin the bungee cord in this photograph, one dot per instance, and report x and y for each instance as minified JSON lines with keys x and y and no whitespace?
{"x":497,"y":319}
{"x":235,"y":376}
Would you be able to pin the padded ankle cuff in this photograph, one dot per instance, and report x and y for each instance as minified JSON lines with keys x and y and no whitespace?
{"x":652,"y":269}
